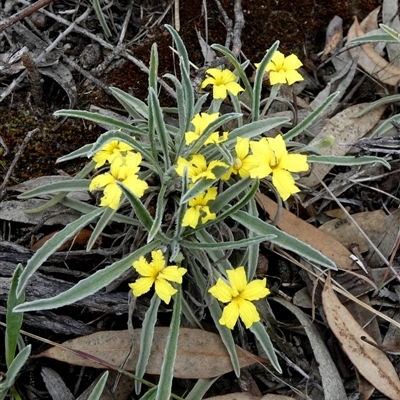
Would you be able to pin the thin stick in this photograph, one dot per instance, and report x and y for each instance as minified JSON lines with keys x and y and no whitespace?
{"x":14,"y":162}
{"x":24,"y":13}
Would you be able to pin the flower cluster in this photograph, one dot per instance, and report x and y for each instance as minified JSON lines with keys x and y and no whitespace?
{"x":124,"y":168}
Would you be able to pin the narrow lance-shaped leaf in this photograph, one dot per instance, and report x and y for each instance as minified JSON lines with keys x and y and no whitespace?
{"x":52,"y":245}
{"x":283,"y":239}
{"x":98,"y":389}
{"x":135,"y":107}
{"x":171,"y":348}
{"x":101,"y":224}
{"x":310,"y":118}
{"x":73,"y":185}
{"x":348,"y":160}
{"x":262,"y":336}
{"x":90,"y":285}
{"x":100,"y":119}
{"x":13,"y":320}
{"x":258,"y":80}
{"x":146,"y":339}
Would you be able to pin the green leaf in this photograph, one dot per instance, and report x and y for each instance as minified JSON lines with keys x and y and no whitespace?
{"x":153,"y":71}
{"x":163,"y":134}
{"x":385,"y":126}
{"x":146,"y":339}
{"x":385,"y":100}
{"x":171,"y":348}
{"x":255,"y":129}
{"x":253,"y":253}
{"x":73,"y":185}
{"x":100,"y":119}
{"x":200,"y":388}
{"x":199,"y":187}
{"x":300,"y":127}
{"x":180,"y":46}
{"x":100,"y":16}
{"x":136,"y":108}
{"x":101,"y":224}
{"x":391,"y":32}
{"x":13,"y":371}
{"x":258,"y":80}
{"x":263,"y":338}
{"x":81,"y":152}
{"x":13,"y":320}
{"x":348,"y":160}
{"x":98,"y":389}
{"x":237,"y":244}
{"x":52,"y":245}
{"x":160,"y":209}
{"x":377,"y":38}
{"x":216,"y":313}
{"x":283,"y":239}
{"x":150,"y":394}
{"x":90,"y":285}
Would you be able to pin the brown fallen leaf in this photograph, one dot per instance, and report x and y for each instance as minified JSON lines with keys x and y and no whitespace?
{"x":309,"y":234}
{"x":382,"y":229}
{"x":345,"y":128}
{"x":201,"y":354}
{"x":371,"y":363}
{"x":370,"y":61}
{"x":79,"y":240}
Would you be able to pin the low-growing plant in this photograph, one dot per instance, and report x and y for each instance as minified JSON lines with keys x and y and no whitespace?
{"x":203,"y":177}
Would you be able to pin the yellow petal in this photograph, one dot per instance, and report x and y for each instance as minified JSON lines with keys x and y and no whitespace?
{"x":191,"y":217}
{"x":208,"y":215}
{"x":136,"y":185}
{"x":230,"y":315}
{"x":237,"y":279}
{"x":292,"y":62}
{"x":157,"y":260}
{"x":111,"y":196}
{"x":144,"y":268}
{"x":277,"y":77}
{"x":219,"y":92}
{"x":294,"y":163}
{"x":248,"y":313}
{"x":190,"y":137}
{"x":221,"y":291}
{"x":141,"y":286}
{"x":211,"y":194}
{"x":100,"y":181}
{"x":284,"y":183}
{"x":293,"y":76}
{"x":278,"y":146}
{"x":164,"y":290}
{"x":234,"y":88}
{"x":255,"y":290}
{"x":207,"y":81}
{"x":173,"y":274}
{"x":277,"y":61}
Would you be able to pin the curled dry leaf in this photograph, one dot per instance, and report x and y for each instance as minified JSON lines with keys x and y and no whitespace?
{"x":201,"y":354}
{"x":346,"y":128}
{"x":370,"y":61}
{"x":372,"y":363}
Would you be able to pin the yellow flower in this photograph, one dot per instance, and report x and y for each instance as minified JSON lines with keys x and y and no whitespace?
{"x":198,"y":168}
{"x":283,"y":69}
{"x":200,"y":123}
{"x":124,"y":170}
{"x":273,"y":157}
{"x":110,"y":152}
{"x":239,"y":294}
{"x":222,"y":81}
{"x":243,"y":162}
{"x":156,"y":272}
{"x":198,"y":208}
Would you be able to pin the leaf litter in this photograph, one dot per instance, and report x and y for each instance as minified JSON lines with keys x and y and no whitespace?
{"x":201,"y":354}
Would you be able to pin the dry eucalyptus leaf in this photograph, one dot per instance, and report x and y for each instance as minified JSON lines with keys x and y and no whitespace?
{"x":201,"y":354}
{"x":382,"y":229}
{"x":345,"y":128}
{"x":370,"y":61}
{"x":371,"y":363}
{"x":309,"y":234}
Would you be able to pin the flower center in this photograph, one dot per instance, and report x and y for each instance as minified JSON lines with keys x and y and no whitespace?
{"x":237,"y":164}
